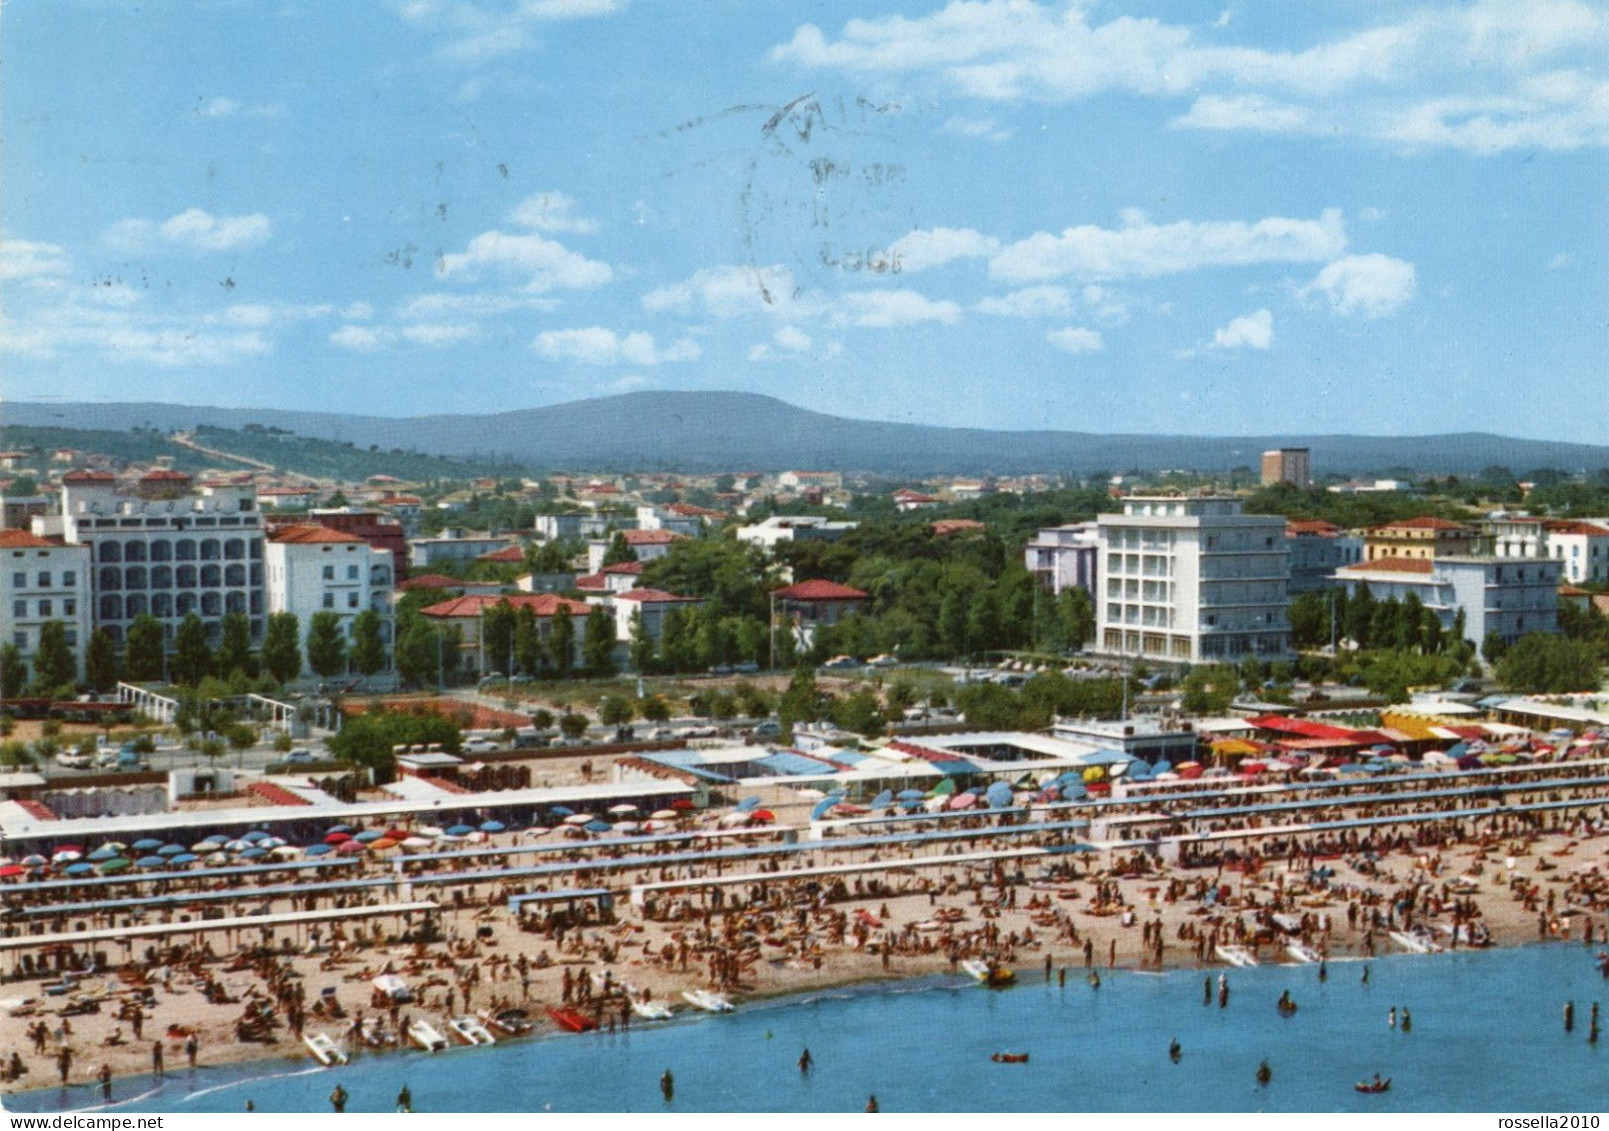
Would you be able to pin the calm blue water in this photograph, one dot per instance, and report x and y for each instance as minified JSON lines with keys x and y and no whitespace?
{"x":1487,"y":1035}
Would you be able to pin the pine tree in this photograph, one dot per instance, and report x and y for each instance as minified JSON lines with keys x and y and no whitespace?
{"x":192,"y":659}
{"x":619,"y":551}
{"x":100,"y":661}
{"x":234,"y":650}
{"x":326,"y":645}
{"x":54,"y":663}
{"x":561,"y":642}
{"x":144,"y":655}
{"x":368,"y":642}
{"x":642,"y":645}
{"x":282,"y":647}
{"x":598,"y":644}
{"x":527,"y":641}
{"x":13,"y":672}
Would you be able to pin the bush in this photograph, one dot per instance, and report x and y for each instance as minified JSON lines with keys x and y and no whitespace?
{"x":573,"y":726}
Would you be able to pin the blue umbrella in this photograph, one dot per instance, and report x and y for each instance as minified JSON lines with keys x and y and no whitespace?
{"x":254,"y":836}
{"x":911,"y":795}
{"x":492,"y":826}
{"x":338,"y":829}
{"x":1163,"y":767}
{"x":1355,"y":768}
{"x":747,"y":804}
{"x":105,"y":852}
{"x":79,"y":868}
{"x":999,"y":795}
{"x":148,"y":844}
{"x":171,"y":850}
{"x":883,"y":800}
{"x":253,"y":853}
{"x":152,"y":862}
{"x":561,"y":811}
{"x":821,"y":808}
{"x":317,"y":849}
{"x":597,"y":826}
{"x":184,"y":858}
{"x":460,"y":830}
{"x":368,"y":835}
{"x":215,"y":838}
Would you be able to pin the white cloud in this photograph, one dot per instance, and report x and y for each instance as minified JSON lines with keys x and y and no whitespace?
{"x":358,"y":312}
{"x":28,"y":259}
{"x":1141,"y":249}
{"x":1372,"y":285}
{"x":363,"y":339}
{"x":437,"y":304}
{"x":630,"y":383}
{"x":1029,"y":302}
{"x":480,"y":31}
{"x":549,"y":264}
{"x":1255,"y":330}
{"x":551,"y":212}
{"x":729,"y":291}
{"x":1076,"y":339}
{"x":438,"y":333}
{"x":596,"y":345}
{"x":889,"y":309}
{"x":983,"y":128}
{"x":1559,"y":262}
{"x":934,"y":247}
{"x":789,"y":341}
{"x":219,"y":108}
{"x":195,"y":229}
{"x":1395,"y":81}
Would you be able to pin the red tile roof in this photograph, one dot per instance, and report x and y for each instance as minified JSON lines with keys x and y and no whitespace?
{"x":906,"y":495}
{"x":948,"y":526}
{"x":22,"y":540}
{"x":542,"y":604}
{"x":1392,"y":565}
{"x":1572,"y":591}
{"x":164,"y":475}
{"x":592,"y":581}
{"x":819,"y":590}
{"x":506,"y":554}
{"x":309,"y":534}
{"x":89,"y":477}
{"x":621,"y":567}
{"x":652,"y":537}
{"x":1425,"y":522}
{"x":688,"y":510}
{"x":1566,"y":526}
{"x":431,"y":581}
{"x":1311,"y":526}
{"x":651,"y":596}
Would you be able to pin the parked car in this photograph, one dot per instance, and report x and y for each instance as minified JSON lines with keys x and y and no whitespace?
{"x":106,"y":757}
{"x":883,"y":661}
{"x":839,"y":662}
{"x":479,"y":745}
{"x":73,"y":760}
{"x":767,"y":730}
{"x":300,"y":756}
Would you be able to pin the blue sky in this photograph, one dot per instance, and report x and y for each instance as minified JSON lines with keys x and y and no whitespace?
{"x":1160,"y":217}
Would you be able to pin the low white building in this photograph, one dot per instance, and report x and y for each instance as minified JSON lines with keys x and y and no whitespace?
{"x":43,"y":581}
{"x":793,"y":528}
{"x":646,"y":544}
{"x":313,"y":569}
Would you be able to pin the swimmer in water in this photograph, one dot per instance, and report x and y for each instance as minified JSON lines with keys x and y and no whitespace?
{"x":1264,"y":1074}
{"x":1174,"y":1051}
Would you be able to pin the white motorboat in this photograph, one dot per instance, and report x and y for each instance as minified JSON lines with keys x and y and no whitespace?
{"x":1236,"y":955}
{"x":426,"y":1035}
{"x":651,"y":1010}
{"x":324,"y":1049}
{"x":1301,"y":952}
{"x":470,"y":1030}
{"x":708,"y":1000}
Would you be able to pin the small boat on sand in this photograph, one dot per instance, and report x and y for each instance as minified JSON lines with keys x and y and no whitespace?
{"x":512,"y":1022}
{"x":324,"y":1049}
{"x":470,"y":1030}
{"x":1302,"y":953}
{"x":1236,"y":955}
{"x":426,"y":1035}
{"x":651,"y":1010}
{"x":988,"y":973}
{"x":571,"y":1020}
{"x":708,"y":1000}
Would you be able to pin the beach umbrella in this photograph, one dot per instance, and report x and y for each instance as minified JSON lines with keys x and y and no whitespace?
{"x":65,"y":856}
{"x":397,"y":834}
{"x":203,"y":846}
{"x":318,"y":849}
{"x":255,"y":853}
{"x":171,"y":850}
{"x":115,"y":864}
{"x":184,"y":858}
{"x":999,"y":795}
{"x":654,"y":826}
{"x":626,"y":826}
{"x":622,"y":809}
{"x":35,"y":861}
{"x":79,"y":868}
{"x":945,"y":788}
{"x":10,"y":870}
{"x":664,"y":814}
{"x":963,"y":801}
{"x":935,"y":804}
{"x":271,"y":842}
{"x":213,"y":859}
{"x":152,"y":862}
{"x":492,"y":826}
{"x":350,"y":847}
{"x":762,"y":815}
{"x":146,"y":844}
{"x":253,"y":836}
{"x":883,"y":800}
{"x":562,"y":811}
{"x":236,"y":845}
{"x":104,"y":852}
{"x":1162,"y":767}
{"x":683,"y":804}
{"x":339,"y":829}
{"x":1251,"y":769}
{"x":751,"y":802}
{"x":596,"y":826}
{"x":415,"y":842}
{"x":538,"y":830}
{"x":337,"y":838}
{"x":821,"y":809}
{"x":1081,"y":849}
{"x":78,"y":848}
{"x":910,"y":795}
{"x":579,"y":819}
{"x":369,"y":836}
{"x":809,"y":794}
{"x":384,"y":844}
{"x":460,"y":830}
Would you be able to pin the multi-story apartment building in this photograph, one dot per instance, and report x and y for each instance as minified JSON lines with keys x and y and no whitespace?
{"x":42,"y":581}
{"x":1064,"y":557}
{"x":167,"y":556}
{"x":1498,"y":596}
{"x":1192,"y":580}
{"x":1288,"y":465}
{"x":1318,"y":549}
{"x":1425,"y":539}
{"x":1580,"y":547}
{"x":313,"y":569}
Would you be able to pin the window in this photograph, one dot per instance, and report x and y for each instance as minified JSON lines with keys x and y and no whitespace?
{"x":45,"y":609}
{"x":329,"y":573}
{"x":19,"y":581}
{"x":70,"y":638}
{"x":69,"y":579}
{"x":44,"y":581}
{"x":69,"y":608}
{"x":351,"y":600}
{"x":19,"y":608}
{"x":351,"y":573}
{"x":329,"y":600}
{"x":20,"y":639}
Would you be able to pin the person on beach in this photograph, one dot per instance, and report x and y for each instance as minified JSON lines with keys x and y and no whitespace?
{"x":156,"y":1059}
{"x":1174,"y":1051}
{"x":1407,"y":1020}
{"x":1569,"y":1016}
{"x":64,"y":1063}
{"x":1365,"y":974}
{"x":806,"y":1062}
{"x":1264,"y":1074}
{"x":338,"y":1099}
{"x":667,"y":1086}
{"x":871,"y":1103}
{"x":105,"y":1077}
{"x":405,"y":1100}
{"x":1206,"y":991}
{"x":191,"y":1046}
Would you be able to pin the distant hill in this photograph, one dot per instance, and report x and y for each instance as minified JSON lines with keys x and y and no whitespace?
{"x":715,"y":431}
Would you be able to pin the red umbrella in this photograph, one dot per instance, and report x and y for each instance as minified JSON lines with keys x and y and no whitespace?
{"x":12,"y":870}
{"x":349,"y":848}
{"x":682,"y":803}
{"x":397,"y":834}
{"x":337,"y":838}
{"x":762,"y":815}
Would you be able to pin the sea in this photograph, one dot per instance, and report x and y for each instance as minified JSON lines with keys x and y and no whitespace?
{"x":1474,"y":1032}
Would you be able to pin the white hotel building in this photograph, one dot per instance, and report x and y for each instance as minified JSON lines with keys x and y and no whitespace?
{"x":40,"y":582}
{"x":314,"y":569}
{"x":1192,"y":580}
